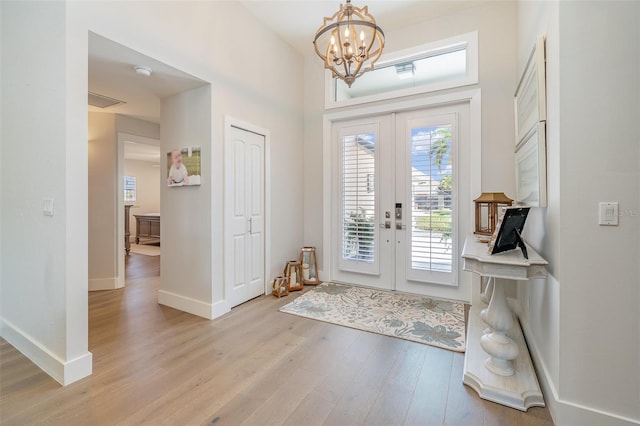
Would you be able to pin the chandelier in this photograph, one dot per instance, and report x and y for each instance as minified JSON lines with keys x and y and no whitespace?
{"x":349,"y":42}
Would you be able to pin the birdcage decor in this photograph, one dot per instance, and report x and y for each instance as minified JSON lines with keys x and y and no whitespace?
{"x":280,"y":286}
{"x":309,"y":265}
{"x":488,"y":206}
{"x":293,"y":271}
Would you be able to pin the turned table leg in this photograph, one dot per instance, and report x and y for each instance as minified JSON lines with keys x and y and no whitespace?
{"x":497,"y":344}
{"x":486,"y":298}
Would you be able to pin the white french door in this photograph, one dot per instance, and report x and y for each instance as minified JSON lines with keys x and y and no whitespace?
{"x":244,"y":211}
{"x":401,"y":187}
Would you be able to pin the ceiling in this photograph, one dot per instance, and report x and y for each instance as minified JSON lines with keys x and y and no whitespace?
{"x":297,"y":21}
{"x":142,"y":152}
{"x":111,"y":74}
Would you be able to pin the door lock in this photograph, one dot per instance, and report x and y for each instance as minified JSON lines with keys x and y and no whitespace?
{"x":398,"y":211}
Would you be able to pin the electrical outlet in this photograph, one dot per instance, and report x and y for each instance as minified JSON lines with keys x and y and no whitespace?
{"x":608,"y":214}
{"x":47,"y":206}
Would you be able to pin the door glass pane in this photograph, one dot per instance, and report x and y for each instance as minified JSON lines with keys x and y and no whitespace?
{"x":431,"y":198}
{"x":358,"y":197}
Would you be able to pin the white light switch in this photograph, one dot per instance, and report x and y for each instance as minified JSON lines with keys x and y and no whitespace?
{"x":47,"y":206}
{"x":608,"y":213}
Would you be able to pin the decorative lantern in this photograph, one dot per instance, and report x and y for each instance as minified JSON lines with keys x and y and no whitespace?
{"x":280,"y":286}
{"x":488,"y":206}
{"x":293,"y":271}
{"x":309,"y":265}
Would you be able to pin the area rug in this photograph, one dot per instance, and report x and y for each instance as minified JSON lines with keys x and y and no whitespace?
{"x":420,"y":319}
{"x":147,"y":250}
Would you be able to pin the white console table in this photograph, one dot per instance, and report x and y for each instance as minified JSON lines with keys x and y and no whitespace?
{"x":497,"y":364}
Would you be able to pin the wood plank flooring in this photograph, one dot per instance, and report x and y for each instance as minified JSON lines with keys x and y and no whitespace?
{"x":254,"y":366}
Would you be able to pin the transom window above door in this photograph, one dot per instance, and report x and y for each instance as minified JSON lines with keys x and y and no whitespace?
{"x":439,"y":65}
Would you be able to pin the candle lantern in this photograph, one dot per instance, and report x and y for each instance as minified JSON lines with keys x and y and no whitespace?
{"x":488,"y":206}
{"x":293,"y":271}
{"x":309,"y":265}
{"x":280,"y":286}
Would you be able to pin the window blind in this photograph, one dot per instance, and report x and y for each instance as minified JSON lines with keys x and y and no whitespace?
{"x":431,"y":191}
{"x":358,"y":197}
{"x":129,"y":188}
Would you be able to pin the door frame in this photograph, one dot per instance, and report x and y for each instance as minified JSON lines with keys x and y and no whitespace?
{"x":123,"y":137}
{"x":230,"y":122}
{"x":472,"y":96}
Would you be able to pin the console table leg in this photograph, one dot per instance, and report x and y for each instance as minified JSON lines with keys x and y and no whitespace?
{"x":497,"y":344}
{"x":486,"y":298}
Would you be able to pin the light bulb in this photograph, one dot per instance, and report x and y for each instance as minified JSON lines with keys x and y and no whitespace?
{"x":346,"y":32}
{"x":361,"y":35}
{"x":333,"y":40}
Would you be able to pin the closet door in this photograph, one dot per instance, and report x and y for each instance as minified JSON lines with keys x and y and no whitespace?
{"x":244,"y":216}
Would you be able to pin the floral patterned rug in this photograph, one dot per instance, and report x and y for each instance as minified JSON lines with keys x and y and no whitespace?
{"x":420,"y":319}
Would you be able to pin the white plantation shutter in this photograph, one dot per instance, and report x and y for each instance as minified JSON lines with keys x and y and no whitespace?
{"x":129,"y":188}
{"x":358,"y":198}
{"x":432,"y":199}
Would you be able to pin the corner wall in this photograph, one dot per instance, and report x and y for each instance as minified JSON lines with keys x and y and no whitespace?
{"x":583,"y":323}
{"x":44,"y":303}
{"x":185,"y":261}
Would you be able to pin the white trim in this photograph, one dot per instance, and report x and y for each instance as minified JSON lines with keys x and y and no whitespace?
{"x":187,"y":304}
{"x":229,"y":122}
{"x":473,"y":96}
{"x":96,"y":284}
{"x":64,"y":372}
{"x":563,"y":411}
{"x":219,"y":308}
{"x":468,"y":41}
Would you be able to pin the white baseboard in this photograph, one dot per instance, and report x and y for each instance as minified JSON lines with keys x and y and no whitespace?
{"x":192,"y":306}
{"x":96,"y":284}
{"x":64,"y":372}
{"x":219,"y":308}
{"x":567,"y":412}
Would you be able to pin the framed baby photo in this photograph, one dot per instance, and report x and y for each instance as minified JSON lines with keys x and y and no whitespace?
{"x":183,"y":166}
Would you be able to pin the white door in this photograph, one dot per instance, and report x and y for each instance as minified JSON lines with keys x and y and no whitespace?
{"x":402,"y":203}
{"x":244,"y":216}
{"x":363,"y":189}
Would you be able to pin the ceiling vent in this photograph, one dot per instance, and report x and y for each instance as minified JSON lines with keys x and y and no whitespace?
{"x":102,"y":101}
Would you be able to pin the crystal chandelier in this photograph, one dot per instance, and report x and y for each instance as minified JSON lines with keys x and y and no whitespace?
{"x":349,"y":42}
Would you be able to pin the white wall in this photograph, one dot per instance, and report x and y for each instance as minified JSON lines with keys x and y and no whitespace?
{"x":540,"y":299}
{"x":147,"y":189}
{"x":495,"y":23}
{"x":44,"y":275}
{"x":103,"y":202}
{"x":583,"y":323}
{"x":186,"y":262}
{"x":221,"y":44}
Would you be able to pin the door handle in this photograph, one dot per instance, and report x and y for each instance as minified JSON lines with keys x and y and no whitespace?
{"x":250,"y":225}
{"x":386,"y":224}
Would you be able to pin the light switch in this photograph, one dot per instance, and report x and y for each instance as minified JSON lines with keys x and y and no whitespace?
{"x":608,"y":214}
{"x":47,"y":206}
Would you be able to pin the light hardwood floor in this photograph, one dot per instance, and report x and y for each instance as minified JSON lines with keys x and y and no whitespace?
{"x":254,"y":366}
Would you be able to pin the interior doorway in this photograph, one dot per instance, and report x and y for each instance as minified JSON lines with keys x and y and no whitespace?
{"x":400,"y":185}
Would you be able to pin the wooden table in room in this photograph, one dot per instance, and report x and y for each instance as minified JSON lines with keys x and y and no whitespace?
{"x":497,"y":364}
{"x":147,"y":228}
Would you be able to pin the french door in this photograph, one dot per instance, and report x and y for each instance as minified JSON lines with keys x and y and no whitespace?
{"x":400,"y":189}
{"x":244,"y":211}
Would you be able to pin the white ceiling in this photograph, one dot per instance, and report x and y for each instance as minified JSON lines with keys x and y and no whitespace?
{"x":142,"y":152}
{"x":297,"y":21}
{"x":111,"y":74}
